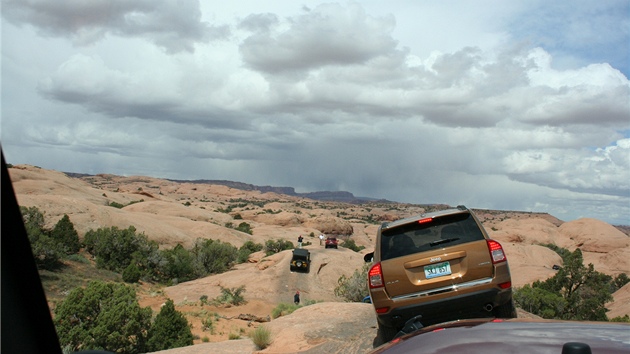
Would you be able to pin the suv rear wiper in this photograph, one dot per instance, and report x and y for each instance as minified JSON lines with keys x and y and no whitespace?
{"x":446,"y":240}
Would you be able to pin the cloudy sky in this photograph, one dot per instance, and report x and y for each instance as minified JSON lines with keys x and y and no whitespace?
{"x":514,"y":105}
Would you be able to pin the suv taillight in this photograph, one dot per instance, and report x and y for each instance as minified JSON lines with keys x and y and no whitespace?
{"x":496,"y":252}
{"x":375,"y":276}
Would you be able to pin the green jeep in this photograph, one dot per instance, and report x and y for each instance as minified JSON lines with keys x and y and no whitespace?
{"x":301,"y":260}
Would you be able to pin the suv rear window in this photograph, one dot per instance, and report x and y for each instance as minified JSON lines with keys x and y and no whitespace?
{"x":439,"y":232}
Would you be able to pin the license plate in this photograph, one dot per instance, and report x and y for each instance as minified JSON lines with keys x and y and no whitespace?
{"x":437,"y":270}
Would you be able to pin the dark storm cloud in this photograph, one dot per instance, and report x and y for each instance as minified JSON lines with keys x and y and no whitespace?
{"x":329,"y":34}
{"x":174,"y":25}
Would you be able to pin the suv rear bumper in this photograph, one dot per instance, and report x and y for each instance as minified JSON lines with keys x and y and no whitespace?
{"x":470,"y":305}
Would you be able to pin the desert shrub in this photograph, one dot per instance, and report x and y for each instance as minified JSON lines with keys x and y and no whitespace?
{"x":115,"y":205}
{"x":169,"y":330}
{"x":213,"y":257}
{"x":278,"y":245}
{"x":32,"y":218}
{"x":234,"y":336}
{"x":246,"y":249}
{"x":562,"y":252}
{"x":261,"y":337}
{"x":624,"y":319}
{"x":86,"y":319}
{"x":575,"y":292}
{"x":205,"y":339}
{"x":50,"y":246}
{"x":231,"y":296}
{"x":79,"y":258}
{"x":131,"y":274}
{"x":66,"y":236}
{"x":539,"y":301}
{"x":207,"y":324}
{"x":244,"y":227}
{"x":350,"y":244}
{"x":619,"y":281}
{"x":114,"y":248}
{"x":353,"y":288}
{"x":203,"y":299}
{"x":178,"y":264}
{"x":46,"y":251}
{"x":283,"y":309}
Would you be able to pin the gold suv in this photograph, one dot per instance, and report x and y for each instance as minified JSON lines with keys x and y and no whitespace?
{"x":437,"y":267}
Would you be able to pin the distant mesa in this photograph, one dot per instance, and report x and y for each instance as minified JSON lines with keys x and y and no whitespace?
{"x":330,"y":196}
{"x":339,"y":196}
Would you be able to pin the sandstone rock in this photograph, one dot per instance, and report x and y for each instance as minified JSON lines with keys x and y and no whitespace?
{"x":592,"y":235}
{"x":330,"y":225}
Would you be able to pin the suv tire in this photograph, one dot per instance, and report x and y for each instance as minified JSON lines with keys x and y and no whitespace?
{"x":507,"y":310}
{"x":385,"y":334}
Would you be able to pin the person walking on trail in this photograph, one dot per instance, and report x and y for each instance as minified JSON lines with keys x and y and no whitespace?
{"x":321,"y":239}
{"x":300,"y":239}
{"x":296,"y":298}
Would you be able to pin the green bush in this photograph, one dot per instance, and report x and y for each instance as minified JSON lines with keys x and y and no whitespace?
{"x":619,"y":281}
{"x":131,"y":274}
{"x":261,"y":337}
{"x":115,"y":205}
{"x":544,"y":303}
{"x":207,"y":324}
{"x":231,"y":296}
{"x":46,"y":251}
{"x":278,"y":245}
{"x":283,"y":309}
{"x":78,"y":258}
{"x":246,"y":249}
{"x":244,"y":227}
{"x":213,"y":257}
{"x":103,"y":316}
{"x":350,"y":244}
{"x":203,"y":299}
{"x":66,"y":236}
{"x":178,"y":264}
{"x":624,"y":319}
{"x":169,"y":330}
{"x":575,"y":292}
{"x":353,"y":288}
{"x":114,"y":249}
{"x":562,"y":252}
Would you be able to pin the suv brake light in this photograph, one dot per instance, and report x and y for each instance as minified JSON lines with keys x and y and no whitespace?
{"x":496,"y":252}
{"x":375,"y":276}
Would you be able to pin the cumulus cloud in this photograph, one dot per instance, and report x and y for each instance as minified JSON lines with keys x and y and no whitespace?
{"x":328,"y":34}
{"x":589,"y":171}
{"x":88,"y":82}
{"x":174,"y":25}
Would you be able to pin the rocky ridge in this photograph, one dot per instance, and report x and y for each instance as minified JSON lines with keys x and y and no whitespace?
{"x":174,"y":213}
